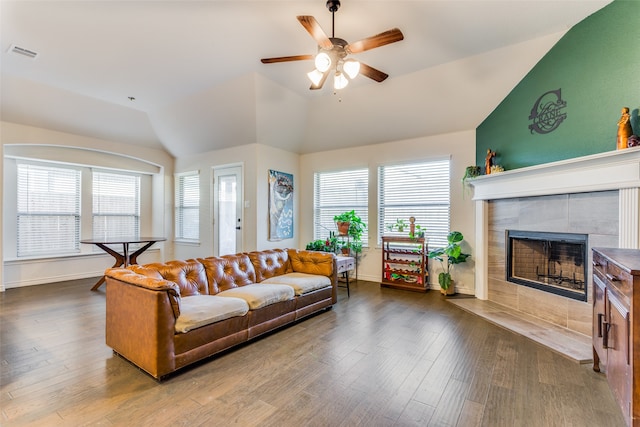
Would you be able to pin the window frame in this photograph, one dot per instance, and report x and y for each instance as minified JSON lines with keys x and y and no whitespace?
{"x":179,"y":206}
{"x":76,"y":215}
{"x":436,"y":238}
{"x":321,"y":227}
{"x":135,"y":215}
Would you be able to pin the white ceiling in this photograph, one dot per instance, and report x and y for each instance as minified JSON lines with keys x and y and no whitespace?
{"x":194,"y":68}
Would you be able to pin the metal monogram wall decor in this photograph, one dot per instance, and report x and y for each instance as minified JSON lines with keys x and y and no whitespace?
{"x":546,"y":114}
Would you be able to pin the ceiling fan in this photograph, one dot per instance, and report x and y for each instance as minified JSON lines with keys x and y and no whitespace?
{"x":333,"y":51}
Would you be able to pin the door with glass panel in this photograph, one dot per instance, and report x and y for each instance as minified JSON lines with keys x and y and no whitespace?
{"x":227,"y":210}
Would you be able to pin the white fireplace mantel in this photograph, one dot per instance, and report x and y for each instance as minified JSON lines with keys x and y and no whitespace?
{"x":598,"y":172}
{"x":614,"y":170}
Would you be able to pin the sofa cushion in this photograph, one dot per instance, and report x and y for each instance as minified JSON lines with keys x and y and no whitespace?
{"x":260,"y":295}
{"x":301,"y":283}
{"x":270,"y":263}
{"x":200,"y":310}
{"x":312,"y":262}
{"x":189,"y":275}
{"x":228,"y":271}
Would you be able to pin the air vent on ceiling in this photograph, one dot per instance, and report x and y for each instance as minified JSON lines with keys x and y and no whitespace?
{"x":22,"y":51}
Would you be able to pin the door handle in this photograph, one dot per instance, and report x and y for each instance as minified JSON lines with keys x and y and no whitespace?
{"x":238,"y":228}
{"x":600,"y":317}
{"x":605,"y":335}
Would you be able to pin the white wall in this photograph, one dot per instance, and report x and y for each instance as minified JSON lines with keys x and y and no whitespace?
{"x":460,"y":146}
{"x":256,"y":160}
{"x":38,"y":143}
{"x":282,"y":161}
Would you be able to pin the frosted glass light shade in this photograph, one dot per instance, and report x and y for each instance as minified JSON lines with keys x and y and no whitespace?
{"x":322,"y":62}
{"x":315,"y":76}
{"x":340,"y":81}
{"x":351,"y":67}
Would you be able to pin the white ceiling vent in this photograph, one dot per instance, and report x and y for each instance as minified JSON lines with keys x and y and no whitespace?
{"x":22,"y":51}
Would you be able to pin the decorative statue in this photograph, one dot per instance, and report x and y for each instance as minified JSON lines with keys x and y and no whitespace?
{"x":488,"y":161}
{"x":624,"y":129}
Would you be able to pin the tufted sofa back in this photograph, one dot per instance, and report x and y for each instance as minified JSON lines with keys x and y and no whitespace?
{"x":189,"y":275}
{"x":208,"y":276}
{"x":228,"y":271}
{"x":269,"y":263}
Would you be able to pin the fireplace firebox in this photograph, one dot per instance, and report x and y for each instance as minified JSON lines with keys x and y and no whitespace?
{"x":551,"y":262}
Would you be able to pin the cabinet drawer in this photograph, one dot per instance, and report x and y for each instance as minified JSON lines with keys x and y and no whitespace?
{"x":599,"y":264}
{"x":621,"y":281}
{"x":345,"y":264}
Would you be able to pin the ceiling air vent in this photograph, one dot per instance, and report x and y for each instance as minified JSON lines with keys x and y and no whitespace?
{"x":22,"y":51}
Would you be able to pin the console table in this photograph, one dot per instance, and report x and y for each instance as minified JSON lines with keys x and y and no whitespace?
{"x":125,"y":258}
{"x":344,"y":265}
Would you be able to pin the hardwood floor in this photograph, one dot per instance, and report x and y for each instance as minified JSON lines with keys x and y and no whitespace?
{"x":382,"y":357}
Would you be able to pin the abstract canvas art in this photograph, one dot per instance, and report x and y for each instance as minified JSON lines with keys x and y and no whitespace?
{"x":280,"y":205}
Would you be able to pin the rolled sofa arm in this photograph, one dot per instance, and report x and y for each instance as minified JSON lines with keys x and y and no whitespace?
{"x":152,"y":283}
{"x":141,"y":314}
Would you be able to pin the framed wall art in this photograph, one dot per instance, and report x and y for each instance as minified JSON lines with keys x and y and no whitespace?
{"x":280,"y":205}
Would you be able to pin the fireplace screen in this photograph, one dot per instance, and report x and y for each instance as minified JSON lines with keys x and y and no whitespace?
{"x":552,"y":262}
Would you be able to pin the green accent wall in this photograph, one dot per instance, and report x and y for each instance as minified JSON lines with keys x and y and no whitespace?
{"x":597,"y":67}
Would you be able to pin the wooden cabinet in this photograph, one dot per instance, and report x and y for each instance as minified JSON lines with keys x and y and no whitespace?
{"x":404,"y":263}
{"x":616,"y":325}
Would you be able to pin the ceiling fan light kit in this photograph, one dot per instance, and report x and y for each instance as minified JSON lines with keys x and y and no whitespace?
{"x":333,"y":51}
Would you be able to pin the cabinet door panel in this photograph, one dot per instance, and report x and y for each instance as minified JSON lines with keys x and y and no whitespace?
{"x":618,"y":360}
{"x":599,"y":325}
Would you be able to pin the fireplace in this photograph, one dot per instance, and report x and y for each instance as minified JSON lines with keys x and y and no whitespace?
{"x":551,"y":262}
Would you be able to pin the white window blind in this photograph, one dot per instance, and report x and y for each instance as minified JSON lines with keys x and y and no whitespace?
{"x":48,"y":210}
{"x":421,"y":190}
{"x":187,"y":206}
{"x":338,"y":192}
{"x":116,"y":205}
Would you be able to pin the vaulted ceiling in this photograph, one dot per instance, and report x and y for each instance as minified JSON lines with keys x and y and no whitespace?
{"x":194,"y":70}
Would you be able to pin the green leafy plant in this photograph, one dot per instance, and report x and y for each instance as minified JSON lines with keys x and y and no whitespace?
{"x":400,"y":224}
{"x":323,"y":245}
{"x":454,"y":255}
{"x":419,"y":232}
{"x":356,"y":228}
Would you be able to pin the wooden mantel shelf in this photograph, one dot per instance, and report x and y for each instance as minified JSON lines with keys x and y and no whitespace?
{"x":612,"y":170}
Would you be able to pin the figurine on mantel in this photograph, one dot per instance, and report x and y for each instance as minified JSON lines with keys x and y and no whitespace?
{"x":488,"y":161}
{"x":624,"y":129}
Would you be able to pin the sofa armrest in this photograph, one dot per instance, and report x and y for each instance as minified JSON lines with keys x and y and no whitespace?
{"x":315,"y":262}
{"x":154,"y":284}
{"x":140,"y":325}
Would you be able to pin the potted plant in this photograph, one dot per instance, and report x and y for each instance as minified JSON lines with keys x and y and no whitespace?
{"x":354,"y":230}
{"x":454,"y":255}
{"x":400,"y":224}
{"x":323,"y":245}
{"x":344,"y":220}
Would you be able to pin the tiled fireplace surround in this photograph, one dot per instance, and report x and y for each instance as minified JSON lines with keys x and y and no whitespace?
{"x":598,"y":195}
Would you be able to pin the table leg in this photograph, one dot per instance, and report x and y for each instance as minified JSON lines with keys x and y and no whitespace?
{"x":346,"y":273}
{"x":133,"y":258}
{"x":120,"y":260}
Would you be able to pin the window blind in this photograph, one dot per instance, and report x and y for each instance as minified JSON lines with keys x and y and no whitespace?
{"x":338,"y":192}
{"x":48,"y":210}
{"x":116,"y":205}
{"x":421,"y":190}
{"x":187,"y":205}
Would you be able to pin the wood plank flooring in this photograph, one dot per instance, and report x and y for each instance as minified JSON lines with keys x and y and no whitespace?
{"x":382,"y":357}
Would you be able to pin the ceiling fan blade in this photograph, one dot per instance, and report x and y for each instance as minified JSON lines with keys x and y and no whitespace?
{"x":316,"y":31}
{"x":390,"y":36}
{"x":321,"y":82}
{"x":372,"y":73}
{"x":286,"y":59}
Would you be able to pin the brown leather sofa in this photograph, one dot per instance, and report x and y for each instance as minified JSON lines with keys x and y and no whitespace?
{"x":165,"y":316}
